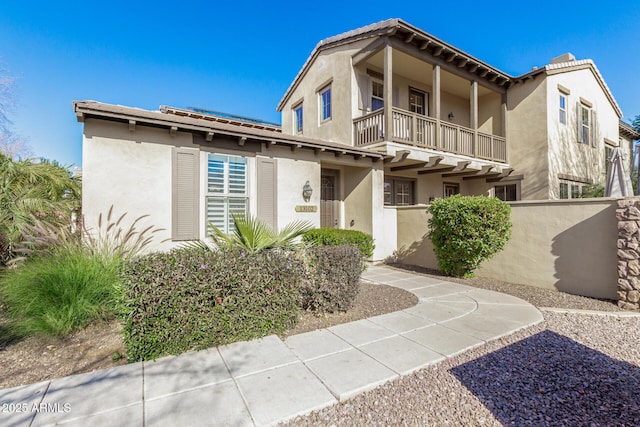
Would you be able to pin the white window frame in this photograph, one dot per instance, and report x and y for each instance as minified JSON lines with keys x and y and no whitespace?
{"x":574,"y":189}
{"x":298,"y":118}
{"x":375,"y":97}
{"x":585,"y":128}
{"x":325,"y":107}
{"x":562,"y":107}
{"x":233,"y":192}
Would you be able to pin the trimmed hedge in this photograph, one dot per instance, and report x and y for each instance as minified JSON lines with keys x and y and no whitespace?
{"x":337,"y":236}
{"x":191,"y":299}
{"x":332,"y":280}
{"x":466,"y":230}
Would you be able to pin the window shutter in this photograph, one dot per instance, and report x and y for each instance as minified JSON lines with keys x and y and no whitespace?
{"x":579,"y":121}
{"x":185,"y":194}
{"x":364,"y":86}
{"x":594,"y":129}
{"x":396,"y":97}
{"x":267,"y":201}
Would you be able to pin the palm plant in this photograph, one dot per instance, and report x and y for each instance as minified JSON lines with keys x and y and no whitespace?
{"x":28,"y":190}
{"x":253,"y":234}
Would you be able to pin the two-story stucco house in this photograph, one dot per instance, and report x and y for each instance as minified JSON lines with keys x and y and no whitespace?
{"x":450,"y":123}
{"x":377,"y":118}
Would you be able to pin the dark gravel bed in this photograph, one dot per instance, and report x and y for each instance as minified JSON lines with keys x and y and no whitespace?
{"x":537,"y":296}
{"x":570,"y":370}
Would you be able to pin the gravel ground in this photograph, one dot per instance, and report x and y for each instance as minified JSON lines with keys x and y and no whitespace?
{"x":572,"y":369}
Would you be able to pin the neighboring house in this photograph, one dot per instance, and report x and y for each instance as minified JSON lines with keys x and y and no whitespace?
{"x":380,"y":117}
{"x":455,"y":124}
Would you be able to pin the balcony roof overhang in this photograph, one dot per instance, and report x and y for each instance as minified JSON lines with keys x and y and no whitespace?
{"x":416,"y":41}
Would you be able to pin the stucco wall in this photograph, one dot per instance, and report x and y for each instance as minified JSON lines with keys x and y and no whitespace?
{"x":566,"y":155}
{"x":292,"y":174}
{"x":565,"y":245}
{"x":332,"y":65}
{"x":132,"y":172}
{"x":527,"y":137}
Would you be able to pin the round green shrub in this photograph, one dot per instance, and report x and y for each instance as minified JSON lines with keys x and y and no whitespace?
{"x":332,"y":278}
{"x":466,"y":230}
{"x":338,"y":236}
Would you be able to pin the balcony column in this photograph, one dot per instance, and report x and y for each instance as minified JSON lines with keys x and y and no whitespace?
{"x":503,"y":117}
{"x":435,"y":87}
{"x":473,"y":122}
{"x":388,"y":92}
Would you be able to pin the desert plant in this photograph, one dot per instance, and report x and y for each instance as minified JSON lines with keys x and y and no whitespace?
{"x":194,"y":298}
{"x":31,"y":189}
{"x":253,"y":234}
{"x":337,"y":236}
{"x":466,"y":230}
{"x":331,"y":283}
{"x":111,"y":239}
{"x":60,"y":293}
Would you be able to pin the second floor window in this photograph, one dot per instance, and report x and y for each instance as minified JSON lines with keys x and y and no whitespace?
{"x":585,"y":125}
{"x":563,"y":108}
{"x":417,"y":102}
{"x":325,"y":104}
{"x":377,"y":95}
{"x":297,"y":118}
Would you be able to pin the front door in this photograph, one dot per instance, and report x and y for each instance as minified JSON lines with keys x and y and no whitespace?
{"x":329,"y":199}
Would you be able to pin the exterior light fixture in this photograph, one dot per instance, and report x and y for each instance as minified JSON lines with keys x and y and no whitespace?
{"x":450,"y":116}
{"x":306,"y":192}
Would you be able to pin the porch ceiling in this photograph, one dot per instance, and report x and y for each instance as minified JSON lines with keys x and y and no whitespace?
{"x":418,"y":70}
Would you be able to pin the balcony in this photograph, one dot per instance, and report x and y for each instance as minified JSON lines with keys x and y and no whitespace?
{"x":422,"y":131}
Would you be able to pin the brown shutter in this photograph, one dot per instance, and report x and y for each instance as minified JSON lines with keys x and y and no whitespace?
{"x":579,"y":120}
{"x":267,"y":191}
{"x":185,"y":194}
{"x":364,"y":85}
{"x":594,"y":129}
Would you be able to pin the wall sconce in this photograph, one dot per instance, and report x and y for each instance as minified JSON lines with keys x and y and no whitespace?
{"x":306,"y":192}
{"x":450,"y":116}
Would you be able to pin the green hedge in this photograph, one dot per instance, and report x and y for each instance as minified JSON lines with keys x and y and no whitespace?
{"x":466,"y":230}
{"x":332,"y":280}
{"x":337,"y":236}
{"x":191,"y":299}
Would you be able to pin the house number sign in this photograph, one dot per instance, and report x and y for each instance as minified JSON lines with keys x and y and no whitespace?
{"x":307,"y":208}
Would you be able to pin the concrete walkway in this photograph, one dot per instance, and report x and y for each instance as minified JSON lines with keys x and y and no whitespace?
{"x":265,"y":381}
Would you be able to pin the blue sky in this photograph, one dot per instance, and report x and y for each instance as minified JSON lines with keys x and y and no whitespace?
{"x":239,"y":57}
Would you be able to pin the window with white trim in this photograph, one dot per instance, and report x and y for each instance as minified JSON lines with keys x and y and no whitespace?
{"x":571,"y":189}
{"x":377,"y":95}
{"x":226,"y":189}
{"x":584,"y":123}
{"x":325,"y":104}
{"x":563,"y":108}
{"x":297,"y":118}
